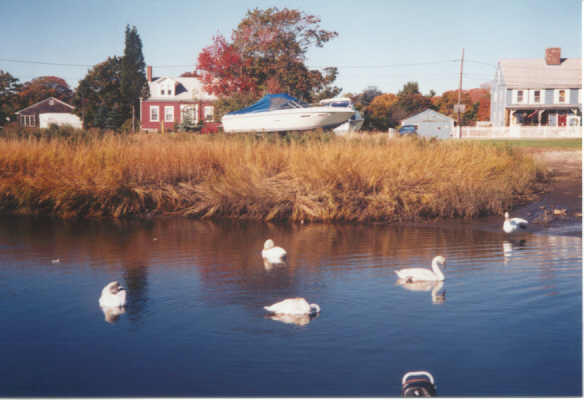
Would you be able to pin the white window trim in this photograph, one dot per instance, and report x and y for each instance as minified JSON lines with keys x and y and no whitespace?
{"x":157,"y":108}
{"x":211,"y":114}
{"x":532,"y":96}
{"x":557,"y":96}
{"x":166,"y":109}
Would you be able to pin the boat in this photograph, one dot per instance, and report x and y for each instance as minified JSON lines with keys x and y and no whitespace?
{"x":281,"y":112}
{"x":353,"y":124}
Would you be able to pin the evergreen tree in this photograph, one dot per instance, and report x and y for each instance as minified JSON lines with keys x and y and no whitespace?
{"x":9,"y":88}
{"x":133,"y":75}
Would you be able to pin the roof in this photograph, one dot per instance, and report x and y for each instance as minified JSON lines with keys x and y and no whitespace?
{"x":187,"y":88}
{"x":46,"y":105}
{"x":526,"y":73}
{"x":428,"y":115}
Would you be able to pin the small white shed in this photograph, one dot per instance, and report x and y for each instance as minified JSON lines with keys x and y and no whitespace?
{"x":431,"y":123}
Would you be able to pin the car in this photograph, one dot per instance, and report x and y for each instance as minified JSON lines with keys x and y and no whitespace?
{"x":408,"y":130}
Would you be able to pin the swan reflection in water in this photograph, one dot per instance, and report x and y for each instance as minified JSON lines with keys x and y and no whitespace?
{"x":426,"y":286}
{"x":508,"y":246}
{"x":295,"y":319}
{"x":112,"y":314}
{"x":271,"y":265}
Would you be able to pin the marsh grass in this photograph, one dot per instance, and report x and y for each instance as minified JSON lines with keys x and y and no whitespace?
{"x":311,"y":177}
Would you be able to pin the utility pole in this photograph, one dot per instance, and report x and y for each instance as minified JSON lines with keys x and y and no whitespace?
{"x":134,"y":118}
{"x":459,"y":107}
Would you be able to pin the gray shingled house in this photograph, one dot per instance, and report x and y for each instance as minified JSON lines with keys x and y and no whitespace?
{"x":430,"y":123}
{"x":537,"y":92}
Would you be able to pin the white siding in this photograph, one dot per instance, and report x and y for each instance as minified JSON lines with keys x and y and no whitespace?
{"x":47,"y":119}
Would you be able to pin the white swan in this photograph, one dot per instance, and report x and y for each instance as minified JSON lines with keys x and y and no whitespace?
{"x":112,"y":314}
{"x":423,"y":274}
{"x":273,"y":254}
{"x":297,"y":306}
{"x":512,"y":225}
{"x":113,"y":295}
{"x":294,"y":319}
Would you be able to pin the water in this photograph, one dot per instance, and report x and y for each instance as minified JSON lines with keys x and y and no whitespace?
{"x":509,"y":322}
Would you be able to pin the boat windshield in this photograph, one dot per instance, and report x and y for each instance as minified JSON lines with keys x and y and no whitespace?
{"x":271,"y":102}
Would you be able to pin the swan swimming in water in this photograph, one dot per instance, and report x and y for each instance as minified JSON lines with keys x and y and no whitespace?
{"x":273,"y":254}
{"x":113,"y":295}
{"x":294,"y":319}
{"x":112,"y":314}
{"x":512,"y":225}
{"x":423,"y":274}
{"x":297,"y":306}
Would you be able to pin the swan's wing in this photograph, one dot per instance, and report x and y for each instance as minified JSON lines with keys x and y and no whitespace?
{"x":416,"y":274}
{"x":520,"y":222}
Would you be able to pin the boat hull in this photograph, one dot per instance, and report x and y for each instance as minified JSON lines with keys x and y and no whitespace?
{"x":295,"y":119}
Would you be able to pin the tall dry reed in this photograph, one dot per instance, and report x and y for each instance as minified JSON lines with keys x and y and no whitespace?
{"x":367,"y":179}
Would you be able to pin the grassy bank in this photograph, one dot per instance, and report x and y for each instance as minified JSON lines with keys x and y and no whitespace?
{"x":315,"y":178}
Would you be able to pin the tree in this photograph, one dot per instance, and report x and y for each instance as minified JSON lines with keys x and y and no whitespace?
{"x":9,"y":88}
{"x":97,"y":98}
{"x":42,"y":87}
{"x":411,"y":101}
{"x":445,"y":105}
{"x":267,"y":52}
{"x":133,"y":75}
{"x":380,"y":112}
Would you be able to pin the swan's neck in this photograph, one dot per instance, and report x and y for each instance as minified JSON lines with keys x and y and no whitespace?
{"x":436,"y":270}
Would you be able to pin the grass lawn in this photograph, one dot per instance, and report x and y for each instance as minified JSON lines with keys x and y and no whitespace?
{"x":559,"y":144}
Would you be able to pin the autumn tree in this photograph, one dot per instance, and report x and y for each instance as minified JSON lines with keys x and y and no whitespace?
{"x":9,"y":88}
{"x":380,"y":112}
{"x":411,"y":101}
{"x":43,"y":87}
{"x":97,"y":98}
{"x":267,"y":53}
{"x":445,"y":105}
{"x":133,"y":75}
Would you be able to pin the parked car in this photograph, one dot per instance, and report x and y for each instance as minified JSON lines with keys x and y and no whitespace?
{"x":408,"y":130}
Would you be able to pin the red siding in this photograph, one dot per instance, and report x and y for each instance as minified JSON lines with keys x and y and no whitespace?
{"x":150,"y":125}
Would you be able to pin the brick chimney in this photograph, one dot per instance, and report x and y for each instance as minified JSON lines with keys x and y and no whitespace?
{"x":552,"y":56}
{"x":149,"y":73}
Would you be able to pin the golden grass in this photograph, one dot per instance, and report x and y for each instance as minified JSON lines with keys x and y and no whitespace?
{"x":367,"y":179}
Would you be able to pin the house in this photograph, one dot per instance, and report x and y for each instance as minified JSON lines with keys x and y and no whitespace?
{"x":47,"y":112}
{"x":537,"y":92}
{"x":175,"y":101}
{"x":431,"y":123}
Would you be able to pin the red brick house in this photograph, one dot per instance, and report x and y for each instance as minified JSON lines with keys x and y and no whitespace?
{"x":172,"y":99}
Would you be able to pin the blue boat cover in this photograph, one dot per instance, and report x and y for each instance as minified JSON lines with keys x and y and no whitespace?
{"x":270,"y":102}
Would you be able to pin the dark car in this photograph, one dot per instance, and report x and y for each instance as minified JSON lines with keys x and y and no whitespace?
{"x":408,"y":130}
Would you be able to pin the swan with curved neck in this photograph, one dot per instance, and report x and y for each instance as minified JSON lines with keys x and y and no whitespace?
{"x":273,"y":254}
{"x":423,"y":274}
{"x":512,"y":225}
{"x":296,"y":306}
{"x":113,"y":295}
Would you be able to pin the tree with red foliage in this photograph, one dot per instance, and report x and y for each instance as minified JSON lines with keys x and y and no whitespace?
{"x":267,"y":54}
{"x":43,"y":87}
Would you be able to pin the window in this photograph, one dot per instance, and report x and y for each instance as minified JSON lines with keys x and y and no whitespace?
{"x":537,"y":96}
{"x":154,"y":117}
{"x":189,"y":113}
{"x":28,"y":121}
{"x":169,"y":113}
{"x":562,"y":96}
{"x":208,"y":110}
{"x":162,"y":92}
{"x":520,"y":96}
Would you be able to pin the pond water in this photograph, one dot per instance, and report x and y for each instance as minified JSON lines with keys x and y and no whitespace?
{"x":507,"y":320}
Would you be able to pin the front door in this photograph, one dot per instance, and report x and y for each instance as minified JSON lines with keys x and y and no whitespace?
{"x":562,"y":120}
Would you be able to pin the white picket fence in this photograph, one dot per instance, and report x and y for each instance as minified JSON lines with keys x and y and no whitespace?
{"x":520,"y":132}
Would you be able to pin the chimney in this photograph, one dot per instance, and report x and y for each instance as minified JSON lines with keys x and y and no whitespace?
{"x":552,"y":56}
{"x":149,"y":73}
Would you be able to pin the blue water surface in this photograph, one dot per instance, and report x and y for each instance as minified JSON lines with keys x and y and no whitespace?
{"x":507,"y":321}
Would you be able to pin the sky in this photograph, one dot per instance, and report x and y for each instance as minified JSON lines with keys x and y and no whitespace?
{"x":381,"y":43}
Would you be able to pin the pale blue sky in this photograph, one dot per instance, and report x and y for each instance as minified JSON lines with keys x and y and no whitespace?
{"x":375,"y":37}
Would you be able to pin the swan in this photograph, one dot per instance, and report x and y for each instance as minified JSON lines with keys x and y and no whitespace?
{"x":512,"y":225}
{"x":297,"y":306}
{"x":112,"y":314}
{"x":423,"y":274}
{"x":294,"y":319}
{"x":113,"y":295}
{"x":273,"y":254}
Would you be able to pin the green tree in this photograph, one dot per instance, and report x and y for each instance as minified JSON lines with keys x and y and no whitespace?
{"x":411,"y":101}
{"x":97,"y":98}
{"x":9,"y":88}
{"x":133,"y":75}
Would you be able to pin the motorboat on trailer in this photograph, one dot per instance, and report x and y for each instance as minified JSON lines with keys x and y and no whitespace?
{"x":281,"y":112}
{"x":354,"y":123}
